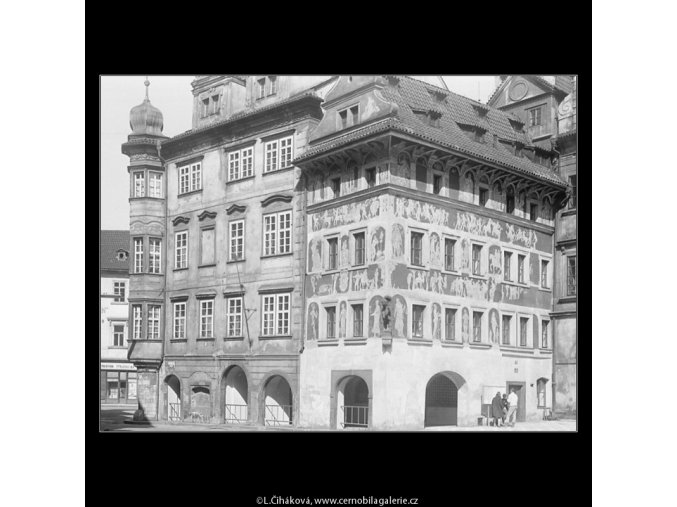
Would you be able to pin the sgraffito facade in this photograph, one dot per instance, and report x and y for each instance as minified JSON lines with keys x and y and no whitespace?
{"x":424,"y":297}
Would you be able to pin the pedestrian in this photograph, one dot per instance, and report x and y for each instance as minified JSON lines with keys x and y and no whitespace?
{"x":497,"y":408}
{"x":504,"y":402}
{"x":512,"y":407}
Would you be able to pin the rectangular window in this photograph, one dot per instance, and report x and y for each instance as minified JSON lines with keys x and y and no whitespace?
{"x":262,"y":87}
{"x":278,"y":154}
{"x":154,"y":255}
{"x":205,"y":107}
{"x":237,"y":240}
{"x":354,"y":115}
{"x":153,"y":322}
{"x":477,"y":327}
{"x":331,"y":322}
{"x":535,"y":117}
{"x":336,"y":187}
{"x":215,"y":104}
{"x":179,"y":321}
{"x":544,"y":274}
{"x":572,"y":200}
{"x":195,"y":177}
{"x":533,"y":212}
{"x":417,"y":248}
{"x":181,"y":250}
{"x":119,"y":292}
{"x":276,"y":310}
{"x":417,"y":321}
{"x":359,"y":248}
{"x":333,"y":253}
{"x":477,"y":259}
{"x":137,"y":320}
{"x":484,"y":196}
{"x":437,"y":184}
{"x":524,"y":323}
{"x":138,"y":255}
{"x":571,"y":275}
{"x":507,"y":320}
{"x":285,"y":152}
{"x":155,"y":184}
{"x":247,"y":162}
{"x":206,"y":319}
{"x":234,"y":317}
{"x":520,"y":268}
{"x":358,"y":318}
{"x":139,"y":184}
{"x":234,"y":166}
{"x":118,"y":336}
{"x":544,"y":333}
{"x":370,"y":174}
{"x":507,"y":260}
{"x":450,"y":324}
{"x":271,"y":156}
{"x":449,"y":249}
{"x":277,"y":233}
{"x":273,"y":84}
{"x":184,"y":179}
{"x":207,"y":239}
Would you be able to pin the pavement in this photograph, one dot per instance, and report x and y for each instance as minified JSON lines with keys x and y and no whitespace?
{"x":112,"y":418}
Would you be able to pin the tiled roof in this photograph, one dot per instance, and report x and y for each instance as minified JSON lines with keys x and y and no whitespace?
{"x":246,"y":113}
{"x":456,"y":109}
{"x":110,"y":243}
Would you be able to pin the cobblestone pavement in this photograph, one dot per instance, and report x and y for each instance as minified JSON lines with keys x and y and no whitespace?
{"x":113,"y":419}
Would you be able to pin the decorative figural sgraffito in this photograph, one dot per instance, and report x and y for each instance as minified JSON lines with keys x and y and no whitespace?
{"x":494,"y":330}
{"x":342,"y":320}
{"x":465,"y":325}
{"x":436,"y":322}
{"x":435,"y":249}
{"x":313,"y":315}
{"x":378,"y":236}
{"x":399,"y":317}
{"x":398,"y":241}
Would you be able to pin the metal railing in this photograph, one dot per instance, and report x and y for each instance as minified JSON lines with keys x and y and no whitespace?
{"x":236,"y":414}
{"x":355,"y":416}
{"x":175,"y":412}
{"x":278,"y":415}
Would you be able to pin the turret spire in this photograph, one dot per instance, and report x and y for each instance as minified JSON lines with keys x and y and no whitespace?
{"x":147,"y":83}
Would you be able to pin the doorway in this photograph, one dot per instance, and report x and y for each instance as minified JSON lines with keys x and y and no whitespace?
{"x":353,"y":403}
{"x":441,"y":402}
{"x":520,"y":391}
{"x":173,"y":398}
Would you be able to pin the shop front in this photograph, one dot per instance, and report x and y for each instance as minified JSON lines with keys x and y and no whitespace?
{"x":118,"y":383}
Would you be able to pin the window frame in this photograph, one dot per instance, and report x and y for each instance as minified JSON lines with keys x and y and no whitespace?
{"x":206,"y":327}
{"x":573,"y":202}
{"x":280,"y":156}
{"x":241,"y":238}
{"x":438,"y":176}
{"x":354,"y":320}
{"x":545,"y":327}
{"x":548,"y":273}
{"x":137,"y":321}
{"x":521,"y":273}
{"x":527,"y":320}
{"x":119,"y":296}
{"x":332,"y":240}
{"x":178,"y":249}
{"x":354,"y":234}
{"x":352,"y":119}
{"x":482,"y":261}
{"x":156,"y":320}
{"x":422,"y":235}
{"x":454,"y":256}
{"x":276,"y":330}
{"x":152,"y":255}
{"x":277,"y":232}
{"x":138,"y":264}
{"x":242,"y":158}
{"x":569,"y":285}
{"x":159,"y":177}
{"x":539,"y":109}
{"x":481,"y":313}
{"x":507,"y":273}
{"x":122,"y":341}
{"x":330,"y":331}
{"x":482,"y":189}
{"x":234,"y":318}
{"x":454,"y":334}
{"x":135,"y":180}
{"x":511,"y":324}
{"x":179,"y":332}
{"x":414,"y":308}
{"x":192,"y":173}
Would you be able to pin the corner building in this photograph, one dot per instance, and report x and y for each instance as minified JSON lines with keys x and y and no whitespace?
{"x":216,"y":294}
{"x":430,"y":234}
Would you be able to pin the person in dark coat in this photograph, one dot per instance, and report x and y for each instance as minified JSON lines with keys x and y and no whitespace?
{"x":505,"y":403}
{"x":497,"y":408}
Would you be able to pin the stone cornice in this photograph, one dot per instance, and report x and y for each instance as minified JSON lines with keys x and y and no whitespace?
{"x":205,"y":214}
{"x":180,"y":220}
{"x":235,"y":208}
{"x":277,"y":197}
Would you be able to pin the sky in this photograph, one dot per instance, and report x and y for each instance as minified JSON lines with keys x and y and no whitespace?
{"x":172,"y":95}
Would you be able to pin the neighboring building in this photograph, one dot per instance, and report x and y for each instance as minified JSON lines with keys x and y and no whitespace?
{"x":118,"y":375}
{"x":220,"y":312}
{"x":431,"y":221}
{"x":547,"y":104}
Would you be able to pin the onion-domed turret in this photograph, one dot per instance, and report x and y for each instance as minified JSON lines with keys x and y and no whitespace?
{"x":146,"y":118}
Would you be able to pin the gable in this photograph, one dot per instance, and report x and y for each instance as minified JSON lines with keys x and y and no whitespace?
{"x":515,"y":89}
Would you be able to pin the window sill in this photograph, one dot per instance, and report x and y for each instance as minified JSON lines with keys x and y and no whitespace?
{"x":450,"y":271}
{"x":276,"y":255}
{"x":416,"y":266}
{"x":192,"y":192}
{"x":276,"y":337}
{"x":517,"y":284}
{"x":118,"y":303}
{"x":178,"y":340}
{"x":545,"y":351}
{"x":180,"y":269}
{"x":569,"y":212}
{"x":567,"y":299}
{"x":478,"y":277}
{"x":480,"y":345}
{"x":207,"y":266}
{"x":246,"y":178}
{"x":277,"y":171}
{"x":355,"y":341}
{"x":205,"y":339}
{"x":512,"y":348}
{"x":328,"y":342}
{"x":117,"y":347}
{"x":544,"y":289}
{"x":420,"y":341}
{"x":235,"y":261}
{"x":452,"y":344}
{"x":233,"y":338}
{"x":147,"y":274}
{"x":144,"y":198}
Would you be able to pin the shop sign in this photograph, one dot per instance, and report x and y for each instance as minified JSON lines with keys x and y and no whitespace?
{"x":118,"y":366}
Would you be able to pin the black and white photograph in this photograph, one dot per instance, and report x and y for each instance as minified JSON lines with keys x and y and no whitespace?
{"x":338,"y":253}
